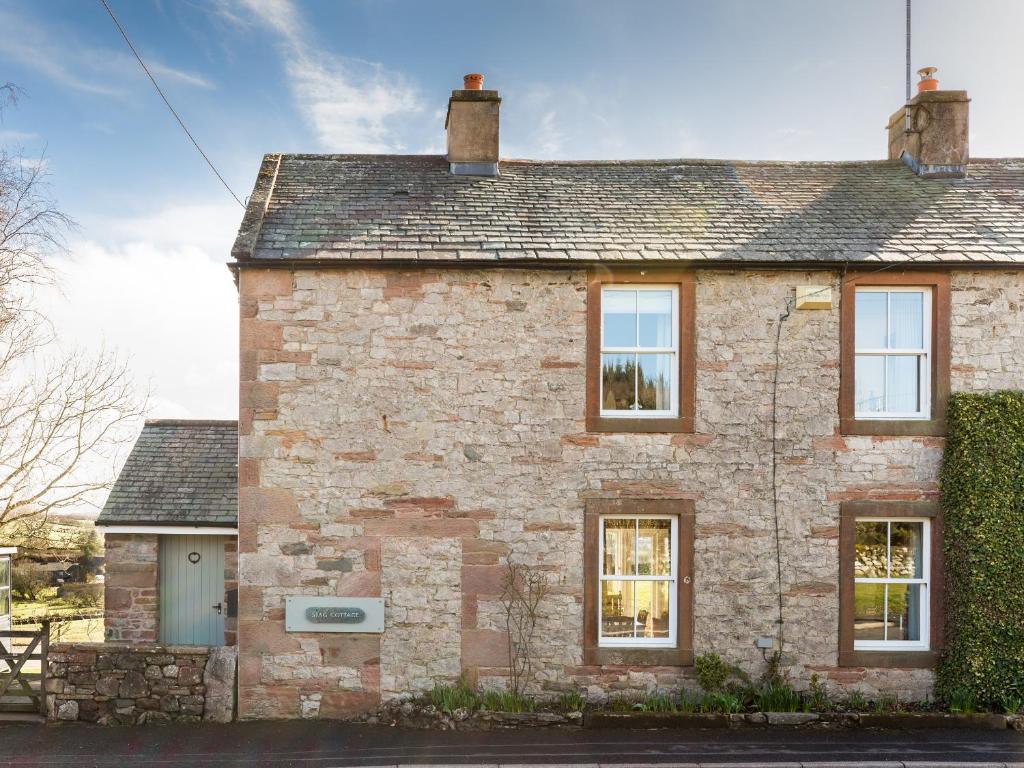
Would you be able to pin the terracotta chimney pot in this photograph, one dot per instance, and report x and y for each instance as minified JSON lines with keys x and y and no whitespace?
{"x":927,"y":83}
{"x":473,"y":82}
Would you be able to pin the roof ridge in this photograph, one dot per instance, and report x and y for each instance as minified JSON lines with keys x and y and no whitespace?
{"x":191,"y":423}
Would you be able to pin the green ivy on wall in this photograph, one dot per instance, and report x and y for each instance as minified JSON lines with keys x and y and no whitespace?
{"x":983,"y":523}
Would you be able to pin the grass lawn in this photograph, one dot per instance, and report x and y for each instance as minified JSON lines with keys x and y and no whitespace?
{"x":49,"y":605}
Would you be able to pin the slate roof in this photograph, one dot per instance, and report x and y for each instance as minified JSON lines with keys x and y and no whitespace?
{"x":409,"y":208}
{"x":178,"y":473}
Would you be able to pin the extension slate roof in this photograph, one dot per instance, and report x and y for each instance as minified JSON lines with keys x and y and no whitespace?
{"x":410,"y":208}
{"x":178,"y":473}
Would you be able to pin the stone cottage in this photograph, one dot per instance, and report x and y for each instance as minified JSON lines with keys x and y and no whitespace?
{"x":705,"y":399}
{"x":170,"y":527}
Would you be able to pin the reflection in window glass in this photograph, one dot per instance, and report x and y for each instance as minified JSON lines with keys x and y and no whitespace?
{"x":618,"y":382}
{"x":869,"y":612}
{"x":639,"y":351}
{"x":618,"y":309}
{"x":871,"y":325}
{"x":871,"y":549}
{"x":890,"y":584}
{"x":655,"y":382}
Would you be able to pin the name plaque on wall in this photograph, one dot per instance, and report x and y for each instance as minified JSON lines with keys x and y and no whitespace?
{"x":334,"y":614}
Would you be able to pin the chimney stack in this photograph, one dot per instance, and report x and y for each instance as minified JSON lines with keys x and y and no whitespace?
{"x":472,"y":128}
{"x":929,"y":133}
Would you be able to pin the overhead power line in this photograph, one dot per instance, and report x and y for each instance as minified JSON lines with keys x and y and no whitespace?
{"x":168,"y":103}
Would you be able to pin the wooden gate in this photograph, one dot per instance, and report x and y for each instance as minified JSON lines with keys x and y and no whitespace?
{"x":22,"y":686}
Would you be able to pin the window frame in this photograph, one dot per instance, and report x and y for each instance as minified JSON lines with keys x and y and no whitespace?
{"x":892,"y":654}
{"x":672,"y":578}
{"x":923,"y":354}
{"x":680,"y":653}
{"x":931,"y":422}
{"x":925,"y":613}
{"x":684,"y":397}
{"x":637,"y":350}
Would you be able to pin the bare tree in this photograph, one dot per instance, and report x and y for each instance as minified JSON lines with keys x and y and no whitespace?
{"x":62,"y":413}
{"x":523,"y":589}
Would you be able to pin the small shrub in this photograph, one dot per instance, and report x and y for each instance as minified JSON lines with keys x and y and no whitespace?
{"x":887,"y":703}
{"x":624,"y":703}
{"x":28,"y":580}
{"x":449,"y":698}
{"x":506,"y":701}
{"x":711,"y":671}
{"x":962,"y":701}
{"x":658,"y":703}
{"x":572,"y":701}
{"x":723,"y":703}
{"x":688,"y":703}
{"x":855,"y":702}
{"x":1011,"y":703}
{"x":779,"y":696}
{"x":817,"y":695}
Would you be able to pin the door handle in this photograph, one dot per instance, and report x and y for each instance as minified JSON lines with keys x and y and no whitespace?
{"x":686,"y":579}
{"x":219,"y":608}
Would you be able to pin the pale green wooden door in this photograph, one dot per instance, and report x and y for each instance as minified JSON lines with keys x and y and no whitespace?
{"x":192,"y":590}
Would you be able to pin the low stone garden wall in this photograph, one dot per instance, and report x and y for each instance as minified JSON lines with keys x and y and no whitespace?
{"x":123,"y":684}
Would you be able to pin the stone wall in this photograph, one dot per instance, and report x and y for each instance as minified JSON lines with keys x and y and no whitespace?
{"x":396,"y":424}
{"x":230,"y":585}
{"x":122,"y":684}
{"x":131,"y":604}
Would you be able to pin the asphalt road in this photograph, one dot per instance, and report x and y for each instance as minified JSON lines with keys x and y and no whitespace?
{"x":324,"y":745}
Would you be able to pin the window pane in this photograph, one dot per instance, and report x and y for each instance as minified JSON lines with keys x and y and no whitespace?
{"x":619,"y":546}
{"x":869,"y":383}
{"x":5,"y":571}
{"x":655,"y":310}
{"x":902,"y":386}
{"x":906,"y":320}
{"x":651,"y":618}
{"x":654,"y":548}
{"x":870,"y":320}
{"x":5,"y":601}
{"x":619,"y":314}
{"x":907,"y":551}
{"x":617,"y":609}
{"x":904,"y":617}
{"x":618,"y":382}
{"x":869,"y":611}
{"x":870,"y":550}
{"x":655,"y":382}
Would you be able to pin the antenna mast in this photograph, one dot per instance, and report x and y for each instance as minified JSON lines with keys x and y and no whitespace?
{"x":906,"y":118}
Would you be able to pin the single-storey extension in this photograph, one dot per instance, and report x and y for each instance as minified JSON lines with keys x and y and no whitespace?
{"x":170,"y":525}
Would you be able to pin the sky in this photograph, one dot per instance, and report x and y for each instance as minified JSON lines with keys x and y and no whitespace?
{"x":145,"y":272}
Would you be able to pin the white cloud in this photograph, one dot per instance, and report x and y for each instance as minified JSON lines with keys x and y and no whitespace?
{"x":172,"y":310}
{"x":349,"y":103}
{"x":352,"y":105}
{"x":17,"y":137}
{"x":65,"y":60}
{"x":209,"y":227}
